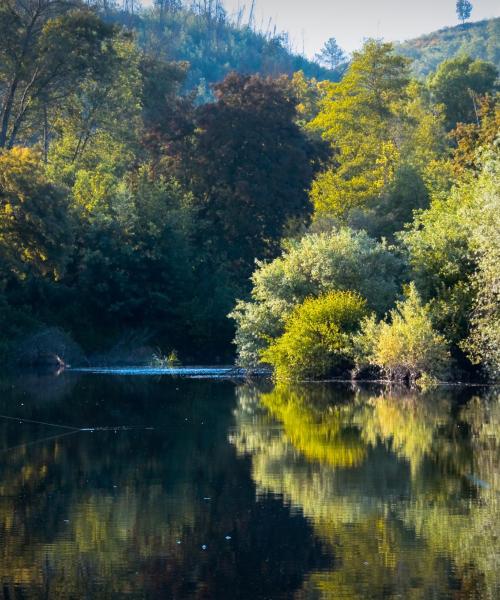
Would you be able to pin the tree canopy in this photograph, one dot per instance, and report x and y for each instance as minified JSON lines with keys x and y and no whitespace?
{"x":464,"y":10}
{"x":139,"y":206}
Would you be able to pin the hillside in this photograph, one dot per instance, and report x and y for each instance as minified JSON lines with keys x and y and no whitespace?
{"x":213,"y":44}
{"x":479,"y":40}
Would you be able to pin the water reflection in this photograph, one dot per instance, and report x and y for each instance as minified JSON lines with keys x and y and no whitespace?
{"x":404,"y":490}
{"x":198,"y":489}
{"x":162,"y":513}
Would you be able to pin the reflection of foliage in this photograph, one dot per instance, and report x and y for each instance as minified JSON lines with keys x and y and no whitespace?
{"x":98,"y":515}
{"x":470,"y":532}
{"x":317,"y":433}
{"x":406,"y":426}
{"x":393,"y":530}
{"x":379,"y":558}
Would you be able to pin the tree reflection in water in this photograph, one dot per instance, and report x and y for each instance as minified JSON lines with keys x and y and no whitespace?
{"x":318,"y":491}
{"x":115,"y":513}
{"x":403,"y":489}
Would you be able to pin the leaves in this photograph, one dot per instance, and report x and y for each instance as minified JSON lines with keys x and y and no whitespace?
{"x":317,"y":338}
{"x":407,"y":347}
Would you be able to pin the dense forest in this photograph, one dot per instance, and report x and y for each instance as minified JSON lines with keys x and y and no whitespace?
{"x":346,"y":226}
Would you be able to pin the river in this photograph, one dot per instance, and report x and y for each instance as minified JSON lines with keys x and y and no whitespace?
{"x":130,"y":486}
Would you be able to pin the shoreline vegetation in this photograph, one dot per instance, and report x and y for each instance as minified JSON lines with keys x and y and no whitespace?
{"x":177,"y":188}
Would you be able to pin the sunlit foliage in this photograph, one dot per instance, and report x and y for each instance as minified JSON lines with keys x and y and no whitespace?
{"x":317,"y":341}
{"x":444,"y":253}
{"x":47,"y":48}
{"x":319,"y":263}
{"x":384,"y":134}
{"x":484,"y":342}
{"x":407,"y":347}
{"x":36,"y":232}
{"x":354,"y":118}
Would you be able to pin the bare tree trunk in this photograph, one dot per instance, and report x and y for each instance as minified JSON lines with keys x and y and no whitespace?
{"x":7,"y":111}
{"x":473,"y":96}
{"x":45,"y":134}
{"x":9,"y":101}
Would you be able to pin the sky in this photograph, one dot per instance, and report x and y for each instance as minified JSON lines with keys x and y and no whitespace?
{"x":311,"y":22}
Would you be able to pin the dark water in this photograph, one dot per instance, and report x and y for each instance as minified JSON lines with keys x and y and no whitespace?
{"x":144,"y":487}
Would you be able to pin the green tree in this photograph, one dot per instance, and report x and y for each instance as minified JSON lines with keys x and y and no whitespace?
{"x":315,"y":265}
{"x":318,"y":337}
{"x":379,"y":128}
{"x":441,"y":261}
{"x":97,"y":130}
{"x":161,"y":87}
{"x":354,"y":117}
{"x":483,"y":343}
{"x":331,"y":54}
{"x":464,"y":10}
{"x":133,"y":264}
{"x":441,"y":249}
{"x":307,"y":91}
{"x":36,"y":232}
{"x":458,"y":84}
{"x":46,"y":49}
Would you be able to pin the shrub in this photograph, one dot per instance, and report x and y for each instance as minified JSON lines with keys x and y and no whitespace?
{"x":318,"y":337}
{"x":406,"y":348}
{"x":317,"y":264}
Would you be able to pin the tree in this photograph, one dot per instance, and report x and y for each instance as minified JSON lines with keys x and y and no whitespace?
{"x":464,"y":10}
{"x":458,"y":84}
{"x":470,"y":137}
{"x":99,"y":126}
{"x":307,"y":91}
{"x":441,"y":247}
{"x":36,"y":225}
{"x":317,"y":264}
{"x":441,"y":262}
{"x":46,"y":49}
{"x":318,"y":337}
{"x":483,"y":344}
{"x":406,"y":348}
{"x":376,"y":124}
{"x":132,"y":263}
{"x":331,"y":54}
{"x":250,"y":165}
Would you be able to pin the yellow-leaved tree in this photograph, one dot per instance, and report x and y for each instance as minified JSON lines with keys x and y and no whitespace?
{"x":382,"y":131}
{"x":36,"y":230}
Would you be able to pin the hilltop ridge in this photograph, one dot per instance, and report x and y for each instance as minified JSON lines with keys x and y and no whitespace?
{"x":479,"y":40}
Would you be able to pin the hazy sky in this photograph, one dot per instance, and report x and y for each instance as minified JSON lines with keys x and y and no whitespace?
{"x":311,"y":22}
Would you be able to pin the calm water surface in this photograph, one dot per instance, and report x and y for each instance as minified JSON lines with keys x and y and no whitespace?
{"x":149,"y":487}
